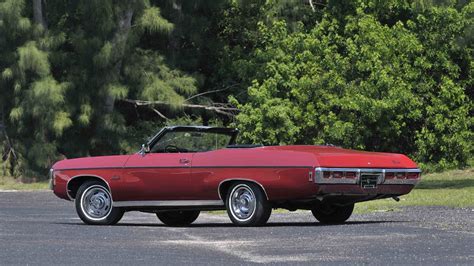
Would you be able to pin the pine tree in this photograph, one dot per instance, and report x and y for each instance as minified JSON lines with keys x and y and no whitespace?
{"x":36,"y":100}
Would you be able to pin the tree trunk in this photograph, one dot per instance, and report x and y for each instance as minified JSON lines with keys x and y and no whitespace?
{"x":38,"y":13}
{"x":119,"y":43}
{"x":174,"y":38}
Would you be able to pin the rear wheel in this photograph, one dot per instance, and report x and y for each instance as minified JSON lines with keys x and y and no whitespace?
{"x":178,"y":218}
{"x":247,"y":205}
{"x":94,"y":204}
{"x":332,"y":214}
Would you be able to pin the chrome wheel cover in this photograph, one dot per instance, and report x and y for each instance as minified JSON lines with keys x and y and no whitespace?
{"x":242,"y":202}
{"x":96,"y":203}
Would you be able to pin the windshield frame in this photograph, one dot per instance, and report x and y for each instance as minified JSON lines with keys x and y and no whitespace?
{"x":232,"y":132}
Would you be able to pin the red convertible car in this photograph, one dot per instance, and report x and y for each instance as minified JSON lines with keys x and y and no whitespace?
{"x":183,"y":170}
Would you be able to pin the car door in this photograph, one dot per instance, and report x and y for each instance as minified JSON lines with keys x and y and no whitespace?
{"x":157,"y":176}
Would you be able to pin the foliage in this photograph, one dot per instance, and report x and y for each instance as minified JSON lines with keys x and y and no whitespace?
{"x":364,"y":84}
{"x":379,"y":75}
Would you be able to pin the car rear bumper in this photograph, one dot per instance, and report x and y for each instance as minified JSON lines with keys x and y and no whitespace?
{"x":365,"y":181}
{"x":373,"y":176}
{"x":355,"y":190}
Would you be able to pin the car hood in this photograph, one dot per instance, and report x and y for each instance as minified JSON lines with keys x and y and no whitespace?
{"x":115,"y":161}
{"x":329,"y":156}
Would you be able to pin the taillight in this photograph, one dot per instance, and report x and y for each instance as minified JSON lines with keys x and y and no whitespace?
{"x":337,"y":174}
{"x":400,"y":175}
{"x":350,"y":175}
{"x":389,"y":175}
{"x":413,"y":175}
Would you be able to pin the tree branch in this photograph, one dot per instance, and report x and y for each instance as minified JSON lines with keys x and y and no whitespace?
{"x":220,"y":108}
{"x":159,"y":113}
{"x":208,"y":92}
{"x":311,"y":4}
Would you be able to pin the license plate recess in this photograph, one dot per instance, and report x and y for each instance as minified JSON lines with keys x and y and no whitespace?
{"x":369,"y":180}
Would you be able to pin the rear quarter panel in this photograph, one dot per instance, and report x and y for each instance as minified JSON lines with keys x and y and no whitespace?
{"x":283,"y":174}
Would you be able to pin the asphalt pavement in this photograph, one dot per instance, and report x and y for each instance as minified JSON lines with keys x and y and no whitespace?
{"x":38,"y":228}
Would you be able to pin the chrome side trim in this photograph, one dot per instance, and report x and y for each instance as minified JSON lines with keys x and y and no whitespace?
{"x":87,"y":175}
{"x":381,"y":180}
{"x":411,"y":170}
{"x":240,"y":179}
{"x":167,"y":203}
{"x":164,"y":166}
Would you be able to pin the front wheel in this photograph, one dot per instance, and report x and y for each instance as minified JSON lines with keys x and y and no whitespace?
{"x":94,"y":204}
{"x":332,"y":214}
{"x":247,"y":205}
{"x":177,"y":218}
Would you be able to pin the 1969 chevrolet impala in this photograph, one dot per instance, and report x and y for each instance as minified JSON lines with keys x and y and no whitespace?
{"x":183,"y":170}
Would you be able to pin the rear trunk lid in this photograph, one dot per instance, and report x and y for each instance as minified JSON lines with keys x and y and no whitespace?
{"x":329,"y":156}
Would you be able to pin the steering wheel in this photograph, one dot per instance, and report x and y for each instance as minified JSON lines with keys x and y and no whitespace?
{"x":173,"y":148}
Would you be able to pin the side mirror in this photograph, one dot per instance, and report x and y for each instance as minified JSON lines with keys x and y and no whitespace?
{"x":145,"y":149}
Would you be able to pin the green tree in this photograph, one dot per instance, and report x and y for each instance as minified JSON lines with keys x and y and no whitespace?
{"x":361,"y":83}
{"x":34,"y":98}
{"x":65,"y":72}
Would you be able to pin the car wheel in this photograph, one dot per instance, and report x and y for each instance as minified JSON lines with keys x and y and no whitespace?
{"x":332,"y":214}
{"x":178,"y":218}
{"x":94,"y":204}
{"x":247,"y":205}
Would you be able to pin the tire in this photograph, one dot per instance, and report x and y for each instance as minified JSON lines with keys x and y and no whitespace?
{"x":332,"y":214}
{"x":94,"y":204}
{"x":247,"y":205}
{"x":178,"y":218}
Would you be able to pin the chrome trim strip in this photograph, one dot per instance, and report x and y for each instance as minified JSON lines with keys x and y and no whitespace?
{"x":189,"y":166}
{"x":409,"y":170}
{"x":86,"y":175}
{"x":167,"y":203}
{"x":239,"y":179}
{"x":381,"y":180}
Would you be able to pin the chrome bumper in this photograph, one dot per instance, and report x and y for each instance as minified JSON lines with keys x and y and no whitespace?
{"x":378,"y":173}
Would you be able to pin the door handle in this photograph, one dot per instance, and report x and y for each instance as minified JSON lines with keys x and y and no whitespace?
{"x":184,"y":161}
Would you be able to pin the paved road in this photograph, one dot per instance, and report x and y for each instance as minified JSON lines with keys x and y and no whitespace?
{"x":37,"y":228}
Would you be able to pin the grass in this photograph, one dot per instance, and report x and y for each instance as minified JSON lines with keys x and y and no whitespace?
{"x":451,"y":188}
{"x":9,"y":183}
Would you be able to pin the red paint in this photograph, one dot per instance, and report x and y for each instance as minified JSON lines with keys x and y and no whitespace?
{"x":283,"y":171}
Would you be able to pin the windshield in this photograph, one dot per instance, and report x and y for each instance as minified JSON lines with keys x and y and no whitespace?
{"x":179,"y":141}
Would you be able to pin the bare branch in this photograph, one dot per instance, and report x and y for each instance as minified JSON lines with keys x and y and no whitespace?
{"x":159,"y":113}
{"x":208,"y":92}
{"x":8,"y":143}
{"x":220,"y":108}
{"x":311,"y":4}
